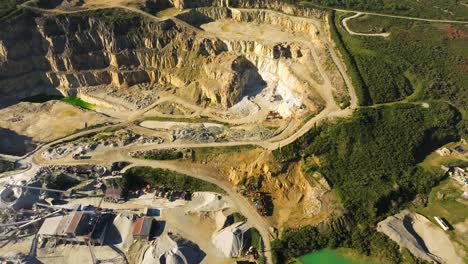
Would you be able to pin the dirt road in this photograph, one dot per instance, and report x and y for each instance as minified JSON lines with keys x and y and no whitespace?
{"x":345,"y":25}
{"x":402,"y":17}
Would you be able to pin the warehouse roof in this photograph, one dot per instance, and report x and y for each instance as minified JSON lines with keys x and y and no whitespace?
{"x":142,"y":226}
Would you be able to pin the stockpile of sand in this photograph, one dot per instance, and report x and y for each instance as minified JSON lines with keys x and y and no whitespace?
{"x":232,"y":240}
{"x":421,"y":237}
{"x":207,"y":202}
{"x":120,"y":233}
{"x":171,"y":250}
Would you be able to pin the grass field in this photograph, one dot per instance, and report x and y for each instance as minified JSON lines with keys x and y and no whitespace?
{"x":205,"y":152}
{"x":75,"y":101}
{"x":138,"y":177}
{"x":419,"y":61}
{"x":436,"y":9}
{"x":446,"y":201}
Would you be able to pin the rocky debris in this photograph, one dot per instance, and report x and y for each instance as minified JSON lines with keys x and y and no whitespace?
{"x":163,"y":154}
{"x":19,"y":258}
{"x":85,"y":145}
{"x":253,"y":133}
{"x":140,"y":96}
{"x":80,"y":171}
{"x":169,"y":108}
{"x":71,"y":4}
{"x":201,"y":134}
{"x":207,"y":202}
{"x":422,"y":238}
{"x":150,"y":140}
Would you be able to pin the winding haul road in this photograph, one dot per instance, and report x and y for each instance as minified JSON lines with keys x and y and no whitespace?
{"x":330,"y":111}
{"x":345,"y":25}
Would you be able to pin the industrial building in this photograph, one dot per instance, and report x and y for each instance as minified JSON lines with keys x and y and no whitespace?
{"x":142,"y":228}
{"x":76,"y":227}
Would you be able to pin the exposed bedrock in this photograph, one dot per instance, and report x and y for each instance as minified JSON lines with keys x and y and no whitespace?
{"x":69,"y":52}
{"x":51,"y":54}
{"x":257,"y":4}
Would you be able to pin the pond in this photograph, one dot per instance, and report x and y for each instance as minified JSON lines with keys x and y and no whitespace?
{"x":327,"y":256}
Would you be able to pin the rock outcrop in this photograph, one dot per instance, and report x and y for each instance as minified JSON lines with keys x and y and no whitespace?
{"x":68,"y":52}
{"x":276,"y":5}
{"x":50,"y":54}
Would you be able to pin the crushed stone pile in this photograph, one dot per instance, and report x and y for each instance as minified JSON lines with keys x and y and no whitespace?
{"x":422,"y":238}
{"x":207,"y":202}
{"x":120,"y":233}
{"x":232,"y":240}
{"x":171,"y":250}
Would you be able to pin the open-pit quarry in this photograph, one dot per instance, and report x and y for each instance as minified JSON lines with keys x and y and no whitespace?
{"x":184,"y":86}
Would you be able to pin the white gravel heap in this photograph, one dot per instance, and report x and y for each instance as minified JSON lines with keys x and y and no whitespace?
{"x":422,"y":238}
{"x":231,"y":241}
{"x":165,"y":250}
{"x":207,"y":202}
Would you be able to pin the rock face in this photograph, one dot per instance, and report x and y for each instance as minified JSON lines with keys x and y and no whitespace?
{"x":67,"y":52}
{"x":52,"y":54}
{"x":258,"y":4}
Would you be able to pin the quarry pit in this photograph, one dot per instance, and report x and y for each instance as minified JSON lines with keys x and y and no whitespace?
{"x":161,"y":75}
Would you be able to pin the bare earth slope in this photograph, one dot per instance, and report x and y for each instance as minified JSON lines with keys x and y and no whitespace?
{"x":36,"y":122}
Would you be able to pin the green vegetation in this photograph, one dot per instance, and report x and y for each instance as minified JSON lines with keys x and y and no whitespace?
{"x":437,"y":9}
{"x":371,"y":160}
{"x":420,"y":60}
{"x":205,"y":152}
{"x":138,"y":177}
{"x":362,"y":92}
{"x":443,"y":202}
{"x":238,"y":217}
{"x":256,"y":239}
{"x":59,"y":181}
{"x":162,"y":154}
{"x":327,"y":256}
{"x":456,"y":163}
{"x":75,"y":101}
{"x":8,"y":8}
{"x":6,"y":165}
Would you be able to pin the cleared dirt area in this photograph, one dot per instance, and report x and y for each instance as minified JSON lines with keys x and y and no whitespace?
{"x":25,"y":124}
